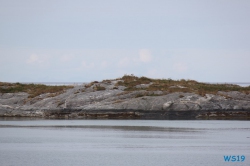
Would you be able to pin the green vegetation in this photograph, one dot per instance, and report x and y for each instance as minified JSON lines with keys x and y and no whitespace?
{"x":169,"y":85}
{"x":32,"y":89}
{"x":130,"y":82}
{"x":89,"y":85}
{"x":98,"y":88}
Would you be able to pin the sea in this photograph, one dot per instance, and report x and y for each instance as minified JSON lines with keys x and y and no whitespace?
{"x":242,"y":84}
{"x":44,"y":142}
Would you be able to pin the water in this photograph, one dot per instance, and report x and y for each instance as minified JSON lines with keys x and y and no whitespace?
{"x":56,"y":83}
{"x":123,"y":142}
{"x":242,"y":84}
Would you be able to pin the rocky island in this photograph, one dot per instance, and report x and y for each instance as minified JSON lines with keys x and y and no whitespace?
{"x":128,"y":97}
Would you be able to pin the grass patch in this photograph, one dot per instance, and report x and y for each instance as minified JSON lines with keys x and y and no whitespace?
{"x":32,"y":89}
{"x":123,"y":93}
{"x":106,"y":81}
{"x":170,"y":86}
{"x":89,"y":85}
{"x":99,"y":88}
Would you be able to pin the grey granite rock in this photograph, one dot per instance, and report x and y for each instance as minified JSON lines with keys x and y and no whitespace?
{"x":83,"y":101}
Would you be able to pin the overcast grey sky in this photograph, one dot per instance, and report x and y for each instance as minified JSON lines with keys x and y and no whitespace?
{"x":80,"y":40}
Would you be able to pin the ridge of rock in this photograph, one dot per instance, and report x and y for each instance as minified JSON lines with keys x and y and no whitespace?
{"x":83,"y":101}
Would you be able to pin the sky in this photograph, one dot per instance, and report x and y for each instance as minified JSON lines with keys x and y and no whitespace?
{"x":83,"y":40}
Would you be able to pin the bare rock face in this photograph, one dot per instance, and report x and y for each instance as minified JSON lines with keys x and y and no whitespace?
{"x":113,"y":101}
{"x":236,"y":95}
{"x":167,"y":105}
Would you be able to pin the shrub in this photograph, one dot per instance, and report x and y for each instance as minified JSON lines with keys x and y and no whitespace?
{"x":32,"y":89}
{"x":169,"y":85}
{"x":99,"y":88}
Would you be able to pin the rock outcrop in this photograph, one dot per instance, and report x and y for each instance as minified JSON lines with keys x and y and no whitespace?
{"x":112,"y":101}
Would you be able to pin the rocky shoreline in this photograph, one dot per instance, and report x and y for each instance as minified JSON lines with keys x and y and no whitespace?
{"x":131,"y":114}
{"x":109,"y":100}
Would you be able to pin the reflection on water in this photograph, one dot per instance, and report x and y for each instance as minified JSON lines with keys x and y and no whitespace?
{"x":122,"y":142}
{"x":124,"y":128}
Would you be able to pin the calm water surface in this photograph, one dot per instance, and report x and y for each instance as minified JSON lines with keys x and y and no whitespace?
{"x":123,"y":142}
